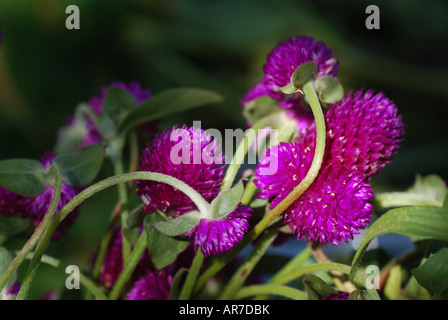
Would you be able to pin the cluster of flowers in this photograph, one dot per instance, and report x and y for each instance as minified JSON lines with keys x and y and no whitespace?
{"x":363,"y":133}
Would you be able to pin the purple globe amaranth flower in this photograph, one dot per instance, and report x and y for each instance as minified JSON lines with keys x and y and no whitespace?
{"x":339,"y":295}
{"x":281,"y":63}
{"x":216,"y":237}
{"x":154,"y":285}
{"x":38,"y":206}
{"x":11,"y":204}
{"x":113,"y":262}
{"x":188,"y":154}
{"x":363,"y":132}
{"x":90,"y":133}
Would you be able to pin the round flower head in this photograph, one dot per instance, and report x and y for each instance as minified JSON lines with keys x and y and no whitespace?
{"x":216,"y":237}
{"x":38,"y":206}
{"x":11,"y":292}
{"x":188,"y":154}
{"x":154,"y":285}
{"x":89,"y":132}
{"x":11,"y":204}
{"x":113,"y":262}
{"x":363,"y":131}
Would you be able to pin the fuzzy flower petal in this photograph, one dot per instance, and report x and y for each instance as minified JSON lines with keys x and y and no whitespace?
{"x":217,"y":237}
{"x":154,"y":285}
{"x":187,"y":154}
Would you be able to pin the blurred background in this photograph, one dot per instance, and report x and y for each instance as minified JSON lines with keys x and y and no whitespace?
{"x":46,"y":70}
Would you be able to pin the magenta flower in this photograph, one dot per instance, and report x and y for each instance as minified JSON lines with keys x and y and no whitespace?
{"x":216,"y":237}
{"x":38,"y":206}
{"x":188,"y":154}
{"x":363,"y":132}
{"x":90,"y":132}
{"x":154,"y":285}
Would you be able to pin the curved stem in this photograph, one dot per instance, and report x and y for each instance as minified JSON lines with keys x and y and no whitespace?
{"x":129,"y":267}
{"x":195,"y":268}
{"x":34,"y":239}
{"x":220,"y":262}
{"x":271,"y":289}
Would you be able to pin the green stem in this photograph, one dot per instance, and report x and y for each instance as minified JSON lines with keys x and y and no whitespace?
{"x":271,"y":289}
{"x":85,"y":281}
{"x":190,"y":281}
{"x":34,"y":239}
{"x":359,"y":278}
{"x":248,"y":265}
{"x":220,"y":262}
{"x":129,"y":267}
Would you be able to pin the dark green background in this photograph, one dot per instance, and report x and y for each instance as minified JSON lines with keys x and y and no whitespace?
{"x":46,"y":70}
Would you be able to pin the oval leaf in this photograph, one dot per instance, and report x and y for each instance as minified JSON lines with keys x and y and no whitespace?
{"x":433,"y":274}
{"x":227,"y":201}
{"x":10,"y":225}
{"x":22,"y":176}
{"x":163,"y":249}
{"x":166,"y":103}
{"x":117,"y":103}
{"x":316,"y":287}
{"x":81,"y":167}
{"x":303,"y":72}
{"x":417,"y":221}
{"x":180,"y":225}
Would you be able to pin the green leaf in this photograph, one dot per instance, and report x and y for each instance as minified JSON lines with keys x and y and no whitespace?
{"x":70,"y":137}
{"x":329,"y":89}
{"x":166,"y":103}
{"x":259,"y":108}
{"x":392,"y":288}
{"x":5,"y":261}
{"x":414,"y":291}
{"x":162,"y":248}
{"x":180,"y":225}
{"x":316,"y":287}
{"x":288,"y":89}
{"x":10,"y":225}
{"x":428,"y":190}
{"x":227,"y":201}
{"x":118,"y":103}
{"x":418,"y":221}
{"x":23,"y":176}
{"x":132,"y":229}
{"x":433,"y":274}
{"x":81,"y":167}
{"x":302,"y":73}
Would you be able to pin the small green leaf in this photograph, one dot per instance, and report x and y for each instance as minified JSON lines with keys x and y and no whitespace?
{"x":10,"y":225}
{"x":428,"y":190}
{"x":23,"y":176}
{"x":132,"y":229}
{"x":288,"y":89}
{"x":433,"y":274}
{"x":70,"y":137}
{"x":81,"y":167}
{"x":5,"y":261}
{"x":180,"y":225}
{"x":166,"y":103}
{"x":302,"y":73}
{"x":162,"y":248}
{"x":329,"y":89}
{"x":418,"y":221}
{"x":316,"y":287}
{"x":227,"y":201}
{"x":259,"y":108}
